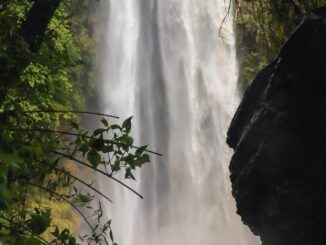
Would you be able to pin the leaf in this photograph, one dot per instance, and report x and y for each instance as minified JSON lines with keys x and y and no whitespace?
{"x":126,"y":140}
{"x":72,"y":241}
{"x":141,"y":149}
{"x":98,"y":131}
{"x":104,"y":122}
{"x":74,"y":124}
{"x":143,"y":159}
{"x":115,"y":126}
{"x":111,"y":236}
{"x":84,"y":148}
{"x":84,"y":198}
{"x":126,"y":125}
{"x":94,"y":158}
{"x":116,"y":166}
{"x":40,"y":221}
{"x":55,"y":232}
{"x":107,"y":148}
{"x":22,"y":240}
{"x":98,"y":143}
{"x":129,"y":141}
{"x":129,"y":175}
{"x":2,"y":177}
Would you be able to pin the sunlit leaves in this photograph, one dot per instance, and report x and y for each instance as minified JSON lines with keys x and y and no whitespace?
{"x":27,"y":240}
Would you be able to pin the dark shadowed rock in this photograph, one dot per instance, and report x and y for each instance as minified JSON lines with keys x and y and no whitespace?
{"x":278,"y":170}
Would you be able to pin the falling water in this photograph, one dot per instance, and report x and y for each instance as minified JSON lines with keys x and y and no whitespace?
{"x":164,"y":62}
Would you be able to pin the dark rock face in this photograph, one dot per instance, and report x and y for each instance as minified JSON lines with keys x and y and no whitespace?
{"x":278,"y":170}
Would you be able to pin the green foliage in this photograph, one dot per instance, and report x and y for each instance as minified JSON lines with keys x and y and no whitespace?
{"x":33,"y":163}
{"x":38,"y":132}
{"x":40,"y":220}
{"x":263,"y":27}
{"x":115,"y":153}
{"x":62,"y":68}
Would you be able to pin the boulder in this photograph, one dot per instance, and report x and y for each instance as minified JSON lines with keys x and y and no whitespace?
{"x":278,"y":170}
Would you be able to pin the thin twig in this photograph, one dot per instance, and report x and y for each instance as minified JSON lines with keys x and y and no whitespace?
{"x":66,"y":200}
{"x":97,"y":170}
{"x":75,"y":134}
{"x":81,"y":181}
{"x":224,"y":19}
{"x":42,"y":240}
{"x":72,"y":111}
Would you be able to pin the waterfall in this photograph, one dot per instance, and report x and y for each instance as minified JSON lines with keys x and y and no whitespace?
{"x":164,"y":62}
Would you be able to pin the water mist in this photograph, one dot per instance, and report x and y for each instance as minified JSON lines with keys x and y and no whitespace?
{"x":164,"y":62}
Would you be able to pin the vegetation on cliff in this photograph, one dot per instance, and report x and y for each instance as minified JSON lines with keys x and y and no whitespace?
{"x":278,"y":169}
{"x":262,"y":27}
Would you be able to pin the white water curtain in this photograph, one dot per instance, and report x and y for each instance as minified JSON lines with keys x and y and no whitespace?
{"x":164,"y":62}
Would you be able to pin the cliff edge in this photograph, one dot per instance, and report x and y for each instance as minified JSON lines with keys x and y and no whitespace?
{"x":278,"y":170}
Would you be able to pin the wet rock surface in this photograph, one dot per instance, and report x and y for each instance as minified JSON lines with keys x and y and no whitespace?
{"x":278,"y":170}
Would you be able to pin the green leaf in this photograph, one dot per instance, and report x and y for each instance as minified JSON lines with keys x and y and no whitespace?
{"x":104,"y":122}
{"x":111,"y":236}
{"x":129,"y":141}
{"x":115,"y":126}
{"x":55,"y":232}
{"x":40,"y":221}
{"x":129,"y":175}
{"x":3,"y":177}
{"x":126,"y":125}
{"x":72,"y":241}
{"x":107,"y":148}
{"x":126,"y":140}
{"x":84,"y":198}
{"x":11,"y":159}
{"x":141,"y":149}
{"x":94,"y":158}
{"x":98,"y":131}
{"x":84,"y":148}
{"x":22,"y":240}
{"x":143,"y":159}
{"x":116,"y":166}
{"x":74,"y":124}
{"x":98,"y":143}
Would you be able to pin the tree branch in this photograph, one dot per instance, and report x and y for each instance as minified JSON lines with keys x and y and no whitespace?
{"x":97,"y":170}
{"x":79,"y":112}
{"x":31,"y":32}
{"x":75,"y":134}
{"x":66,"y":200}
{"x":42,"y":240}
{"x":81,"y":181}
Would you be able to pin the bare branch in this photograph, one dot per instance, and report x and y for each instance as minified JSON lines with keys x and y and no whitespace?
{"x":81,"y":181}
{"x":75,"y":134}
{"x":71,"y":111}
{"x":66,"y":200}
{"x":97,"y":170}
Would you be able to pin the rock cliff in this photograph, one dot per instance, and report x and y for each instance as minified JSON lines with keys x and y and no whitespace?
{"x":278,"y":170}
